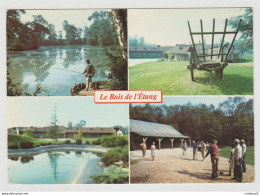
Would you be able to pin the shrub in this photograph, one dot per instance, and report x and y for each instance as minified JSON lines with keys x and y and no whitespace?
{"x":15,"y":146}
{"x":125,"y":154}
{"x":96,"y":142}
{"x":67,"y":142}
{"x":113,"y":141}
{"x":113,"y":175}
{"x":87,"y":142}
{"x":26,"y":145}
{"x":111,"y":156}
{"x":78,"y":141}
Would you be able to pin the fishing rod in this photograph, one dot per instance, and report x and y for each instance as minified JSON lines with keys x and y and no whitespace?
{"x":68,"y":70}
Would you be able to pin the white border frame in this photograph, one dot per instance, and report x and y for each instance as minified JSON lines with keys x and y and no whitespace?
{"x":86,"y":4}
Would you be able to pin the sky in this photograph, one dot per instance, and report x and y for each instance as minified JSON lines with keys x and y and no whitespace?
{"x":168,"y":27}
{"x":37,"y":111}
{"x":79,"y":18}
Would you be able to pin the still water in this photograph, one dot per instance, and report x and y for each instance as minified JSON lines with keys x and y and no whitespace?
{"x":59,"y":167}
{"x":44,"y":66}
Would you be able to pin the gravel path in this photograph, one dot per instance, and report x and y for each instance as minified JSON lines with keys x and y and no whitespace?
{"x":170,"y":166}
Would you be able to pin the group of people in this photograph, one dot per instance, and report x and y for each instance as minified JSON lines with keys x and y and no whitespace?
{"x":237,"y":156}
{"x":153,"y":148}
{"x":237,"y":159}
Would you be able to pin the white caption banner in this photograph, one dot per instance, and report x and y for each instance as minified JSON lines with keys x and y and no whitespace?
{"x":112,"y":97}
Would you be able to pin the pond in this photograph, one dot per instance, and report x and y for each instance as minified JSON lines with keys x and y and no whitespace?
{"x":57,"y":68}
{"x":57,"y":167}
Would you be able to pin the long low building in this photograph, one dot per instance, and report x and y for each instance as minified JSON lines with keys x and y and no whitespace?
{"x":164,"y":136}
{"x":64,"y":132}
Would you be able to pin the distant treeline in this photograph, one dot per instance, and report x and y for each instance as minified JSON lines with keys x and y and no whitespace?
{"x":31,"y":35}
{"x":234,"y":118}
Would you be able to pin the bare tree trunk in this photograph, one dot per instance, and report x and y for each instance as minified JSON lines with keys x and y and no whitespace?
{"x":120,"y":20}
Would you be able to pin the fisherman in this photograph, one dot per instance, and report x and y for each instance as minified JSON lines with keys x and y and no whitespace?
{"x":89,"y":73}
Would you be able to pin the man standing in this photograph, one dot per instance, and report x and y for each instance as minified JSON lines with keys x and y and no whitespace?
{"x":143,"y":145}
{"x":90,"y":72}
{"x":203,"y":147}
{"x":214,"y":154}
{"x":243,"y":145}
{"x":195,"y":147}
{"x":238,"y":174}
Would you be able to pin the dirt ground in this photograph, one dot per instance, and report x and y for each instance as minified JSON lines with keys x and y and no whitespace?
{"x":170,"y":166}
{"x":90,"y":92}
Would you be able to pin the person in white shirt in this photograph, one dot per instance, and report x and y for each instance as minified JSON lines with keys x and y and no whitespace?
{"x":238,"y":174}
{"x":231,"y":160}
{"x":243,"y":145}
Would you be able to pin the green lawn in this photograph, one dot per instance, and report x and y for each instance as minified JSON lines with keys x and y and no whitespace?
{"x":12,"y":139}
{"x":173,"y":78}
{"x":225,"y":152}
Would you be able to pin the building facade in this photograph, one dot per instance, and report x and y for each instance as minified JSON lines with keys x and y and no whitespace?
{"x":164,"y":136}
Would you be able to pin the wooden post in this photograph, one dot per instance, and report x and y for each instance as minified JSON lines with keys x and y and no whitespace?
{"x":193,"y":43}
{"x":190,"y":142}
{"x":212,"y":43}
{"x":223,"y":37}
{"x":172,"y":142}
{"x":202,"y":38}
{"x":182,"y":142}
{"x":159,"y":140}
{"x":232,"y":40}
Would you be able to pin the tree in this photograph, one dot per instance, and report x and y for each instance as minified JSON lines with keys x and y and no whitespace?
{"x":170,"y":55}
{"x":52,"y":35}
{"x":26,"y":36}
{"x":246,"y":27}
{"x":54,"y":131}
{"x":27,"y":132}
{"x":81,"y":123}
{"x":141,"y":41}
{"x":79,"y":135}
{"x":72,"y":33}
{"x":69,"y":125}
{"x":118,"y":52}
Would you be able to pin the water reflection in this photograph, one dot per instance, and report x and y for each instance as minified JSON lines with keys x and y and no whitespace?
{"x":54,"y":167}
{"x":14,"y":158}
{"x":30,"y":67}
{"x":26,"y":159}
{"x":54,"y":156}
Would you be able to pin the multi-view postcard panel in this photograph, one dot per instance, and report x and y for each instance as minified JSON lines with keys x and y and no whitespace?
{"x":201,"y":60}
{"x":66,"y":52}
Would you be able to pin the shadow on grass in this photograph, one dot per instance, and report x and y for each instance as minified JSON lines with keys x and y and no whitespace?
{"x":229,"y":84}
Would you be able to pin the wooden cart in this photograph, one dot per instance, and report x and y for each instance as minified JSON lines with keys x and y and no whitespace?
{"x":204,"y":61}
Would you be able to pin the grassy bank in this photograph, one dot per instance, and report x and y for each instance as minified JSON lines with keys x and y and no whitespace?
{"x":13,"y":139}
{"x":225,"y":152}
{"x":173,"y":78}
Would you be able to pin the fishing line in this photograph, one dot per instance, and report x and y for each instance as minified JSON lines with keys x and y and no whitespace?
{"x":67,"y":70}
